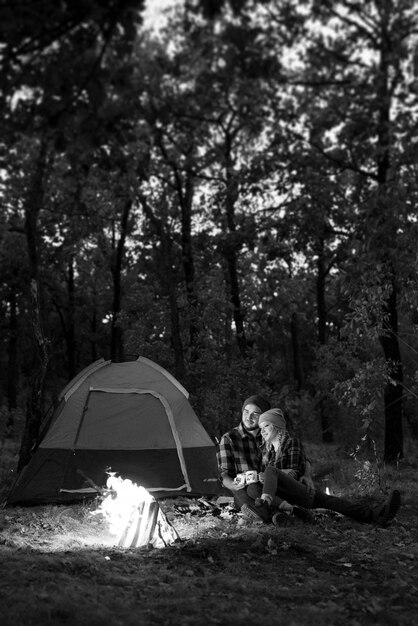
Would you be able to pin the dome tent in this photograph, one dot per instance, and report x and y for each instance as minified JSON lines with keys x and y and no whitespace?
{"x":131,"y":418}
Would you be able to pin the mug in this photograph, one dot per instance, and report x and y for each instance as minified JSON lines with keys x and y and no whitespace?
{"x":239,"y":480}
{"x":251,"y":477}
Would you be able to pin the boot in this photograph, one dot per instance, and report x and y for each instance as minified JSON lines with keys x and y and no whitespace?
{"x":263,"y":501}
{"x":252,"y":514}
{"x":304,"y":514}
{"x":282,"y":519}
{"x":380,"y":514}
{"x":384,"y":513}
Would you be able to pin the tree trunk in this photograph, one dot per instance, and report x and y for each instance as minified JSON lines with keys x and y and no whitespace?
{"x":12,"y":374}
{"x":176,"y":341}
{"x":93,"y":332}
{"x":326,"y":426}
{"x":393,"y":395}
{"x":297,"y":357}
{"x":320,"y":295}
{"x":116,"y":342}
{"x":169,"y":282}
{"x":66,"y":316}
{"x":185,"y":191}
{"x":186,"y":199}
{"x":231,"y":255}
{"x":70,"y":331}
{"x":34,"y":404}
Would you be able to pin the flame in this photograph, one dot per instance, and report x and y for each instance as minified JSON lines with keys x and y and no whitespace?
{"x":133,"y":515}
{"x":327,"y":491}
{"x":121,"y":504}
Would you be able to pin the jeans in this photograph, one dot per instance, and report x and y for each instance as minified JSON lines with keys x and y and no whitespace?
{"x":243,"y":497}
{"x":282,"y":487}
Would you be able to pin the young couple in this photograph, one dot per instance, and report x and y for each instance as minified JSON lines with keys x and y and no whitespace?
{"x":261,"y":443}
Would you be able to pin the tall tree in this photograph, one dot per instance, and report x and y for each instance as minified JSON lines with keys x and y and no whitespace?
{"x":50,"y":56}
{"x":32,"y":206}
{"x":358,"y":111}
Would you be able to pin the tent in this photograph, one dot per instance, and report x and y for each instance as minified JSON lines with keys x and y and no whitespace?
{"x":131,"y":418}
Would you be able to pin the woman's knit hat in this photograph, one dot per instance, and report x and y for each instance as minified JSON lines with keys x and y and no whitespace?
{"x":259,"y":401}
{"x":273,"y":416}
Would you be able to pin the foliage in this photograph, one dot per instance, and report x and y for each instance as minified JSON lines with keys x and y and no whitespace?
{"x":266,"y":154}
{"x":364,"y":389}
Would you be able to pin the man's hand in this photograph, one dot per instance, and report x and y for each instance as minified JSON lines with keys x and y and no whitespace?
{"x":306,"y":479}
{"x":289,"y":472}
{"x":308,"y":482}
{"x":230,"y":483}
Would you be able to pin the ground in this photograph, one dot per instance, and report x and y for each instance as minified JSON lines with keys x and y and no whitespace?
{"x":58,"y":568}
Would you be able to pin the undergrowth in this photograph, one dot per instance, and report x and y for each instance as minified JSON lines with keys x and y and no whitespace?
{"x":359,"y":474}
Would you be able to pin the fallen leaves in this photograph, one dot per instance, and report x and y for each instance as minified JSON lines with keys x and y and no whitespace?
{"x":335,"y":572}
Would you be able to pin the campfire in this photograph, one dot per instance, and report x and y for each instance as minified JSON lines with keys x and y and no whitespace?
{"x":134,"y":516}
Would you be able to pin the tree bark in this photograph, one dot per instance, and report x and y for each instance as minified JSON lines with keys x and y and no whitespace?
{"x":34,"y":405}
{"x":184,"y":186}
{"x":298,"y":372}
{"x":70,"y":333}
{"x":12,"y":373}
{"x":326,"y":427}
{"x":169,"y":282}
{"x":93,"y":332}
{"x":116,"y":342}
{"x":393,"y":394}
{"x":231,"y":249}
{"x":66,"y":315}
{"x":186,"y":200}
{"x":320,"y":294}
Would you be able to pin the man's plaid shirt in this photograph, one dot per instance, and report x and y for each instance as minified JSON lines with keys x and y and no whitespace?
{"x":239,"y":452}
{"x":291,"y":456}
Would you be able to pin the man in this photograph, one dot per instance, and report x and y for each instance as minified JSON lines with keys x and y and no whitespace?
{"x":282,"y":491}
{"x":240,"y":451}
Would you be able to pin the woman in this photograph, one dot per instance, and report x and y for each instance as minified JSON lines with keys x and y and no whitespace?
{"x":283,"y":454}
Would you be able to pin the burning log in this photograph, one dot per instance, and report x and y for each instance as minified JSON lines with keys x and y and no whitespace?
{"x":135,"y":517}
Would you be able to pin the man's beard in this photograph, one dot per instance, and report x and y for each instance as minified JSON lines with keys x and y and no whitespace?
{"x":250,"y":427}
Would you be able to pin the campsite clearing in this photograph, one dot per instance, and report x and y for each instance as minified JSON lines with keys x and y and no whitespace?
{"x":57,"y":569}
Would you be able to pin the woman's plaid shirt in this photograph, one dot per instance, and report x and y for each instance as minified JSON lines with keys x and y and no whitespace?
{"x":290,"y":456}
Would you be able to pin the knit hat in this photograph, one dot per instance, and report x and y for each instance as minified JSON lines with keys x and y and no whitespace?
{"x":259,"y":401}
{"x":273,"y":416}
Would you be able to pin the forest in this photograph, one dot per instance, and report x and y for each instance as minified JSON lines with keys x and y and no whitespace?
{"x":228,"y":188}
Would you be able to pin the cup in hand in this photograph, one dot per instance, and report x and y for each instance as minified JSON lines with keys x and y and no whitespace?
{"x":251,"y":477}
{"x":239,"y":480}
